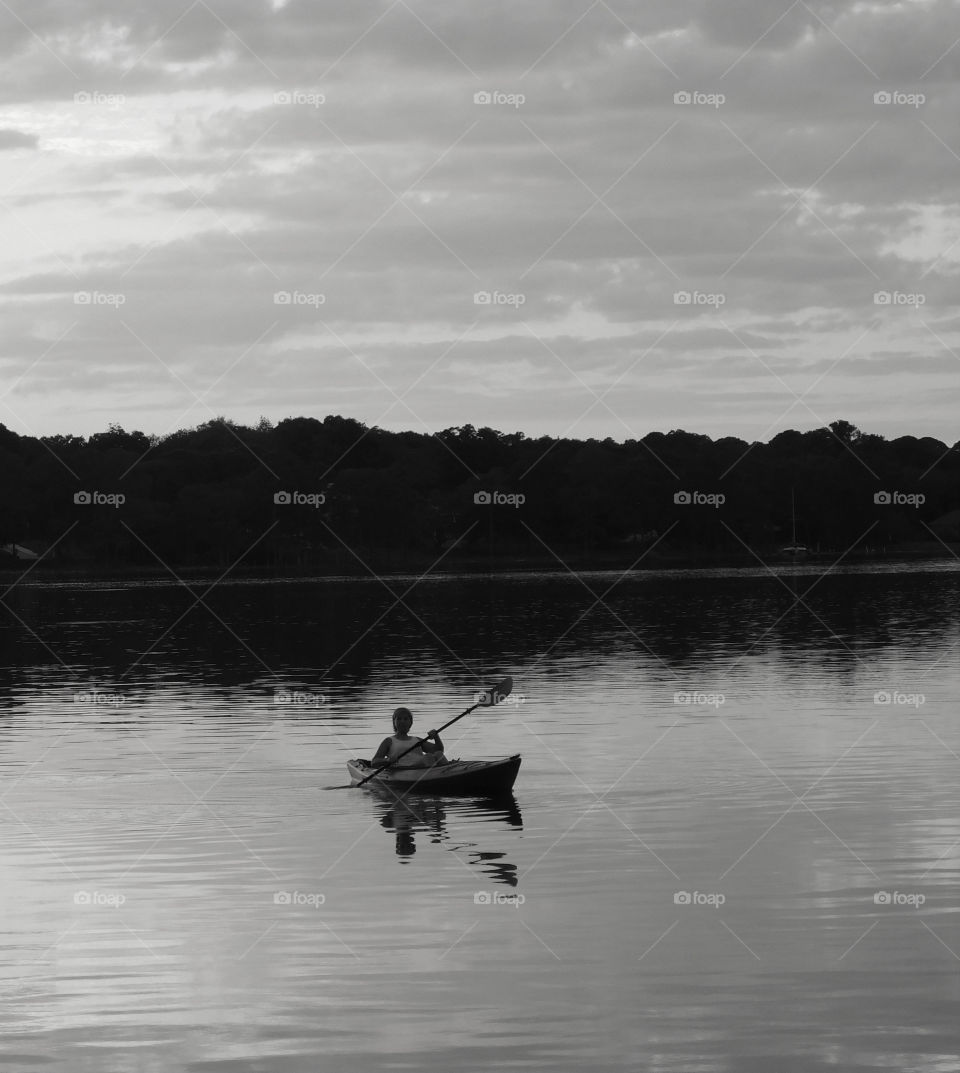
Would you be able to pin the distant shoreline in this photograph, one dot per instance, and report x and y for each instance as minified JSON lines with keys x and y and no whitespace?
{"x":386,"y":565}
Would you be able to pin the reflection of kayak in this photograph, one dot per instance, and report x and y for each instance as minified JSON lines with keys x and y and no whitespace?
{"x":484,"y":777}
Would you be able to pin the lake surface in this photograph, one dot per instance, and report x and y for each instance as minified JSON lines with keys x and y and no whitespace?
{"x":734,"y":844}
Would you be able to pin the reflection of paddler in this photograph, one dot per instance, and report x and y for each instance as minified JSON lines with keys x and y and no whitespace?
{"x":406,"y":844}
{"x":404,"y":815}
{"x":403,"y":819}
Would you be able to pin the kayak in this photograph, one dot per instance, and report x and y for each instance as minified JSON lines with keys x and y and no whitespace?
{"x":480,"y":777}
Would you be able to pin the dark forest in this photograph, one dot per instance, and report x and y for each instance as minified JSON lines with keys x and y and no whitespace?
{"x":334,"y":494}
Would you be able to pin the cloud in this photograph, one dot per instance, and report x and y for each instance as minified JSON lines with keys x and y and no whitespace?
{"x":199,"y":165}
{"x":16,"y":139}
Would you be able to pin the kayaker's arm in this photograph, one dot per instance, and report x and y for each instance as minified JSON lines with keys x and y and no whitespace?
{"x":383,"y":753}
{"x":436,"y":747}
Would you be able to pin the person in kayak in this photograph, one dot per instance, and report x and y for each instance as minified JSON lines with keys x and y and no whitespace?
{"x":429,"y":753}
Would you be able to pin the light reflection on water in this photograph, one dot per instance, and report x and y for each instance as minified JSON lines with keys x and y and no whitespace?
{"x":179,"y":891}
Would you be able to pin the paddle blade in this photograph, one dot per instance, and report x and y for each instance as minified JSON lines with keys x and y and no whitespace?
{"x":495,"y":694}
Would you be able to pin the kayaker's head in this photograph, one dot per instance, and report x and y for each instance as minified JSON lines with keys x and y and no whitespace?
{"x":402,"y":720}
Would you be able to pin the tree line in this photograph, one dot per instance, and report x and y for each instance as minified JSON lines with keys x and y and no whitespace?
{"x":335,"y":493}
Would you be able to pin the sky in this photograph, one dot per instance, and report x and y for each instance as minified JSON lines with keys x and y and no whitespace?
{"x":563,"y":217}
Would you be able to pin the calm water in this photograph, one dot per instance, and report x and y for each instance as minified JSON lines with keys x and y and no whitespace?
{"x":724,"y":852}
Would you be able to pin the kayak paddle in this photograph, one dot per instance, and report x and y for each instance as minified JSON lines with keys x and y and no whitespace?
{"x":488,"y":699}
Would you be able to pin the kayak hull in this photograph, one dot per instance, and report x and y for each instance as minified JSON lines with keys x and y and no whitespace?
{"x":470,"y":777}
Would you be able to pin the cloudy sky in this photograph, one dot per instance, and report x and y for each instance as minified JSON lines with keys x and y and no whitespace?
{"x":559,"y":216}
